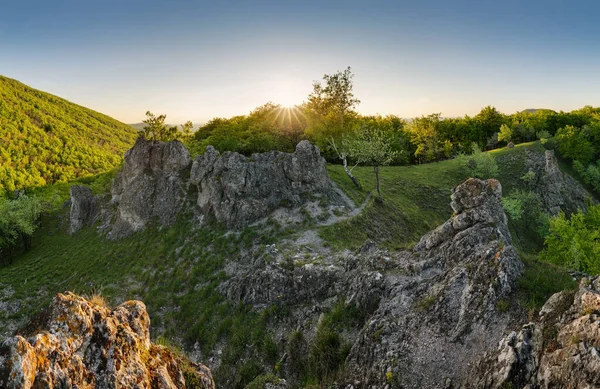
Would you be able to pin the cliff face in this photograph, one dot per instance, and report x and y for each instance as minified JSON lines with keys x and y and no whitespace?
{"x":159,"y":181}
{"x":76,"y":343}
{"x":430,"y":312}
{"x":558,"y":350}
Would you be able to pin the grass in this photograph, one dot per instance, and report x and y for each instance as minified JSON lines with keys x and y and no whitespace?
{"x":177,"y":270}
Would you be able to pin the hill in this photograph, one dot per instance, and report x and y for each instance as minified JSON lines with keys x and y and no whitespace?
{"x":186,"y":274}
{"x":45,"y":139}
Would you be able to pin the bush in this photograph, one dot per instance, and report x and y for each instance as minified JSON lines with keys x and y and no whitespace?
{"x":575,"y":242}
{"x":478,"y":164}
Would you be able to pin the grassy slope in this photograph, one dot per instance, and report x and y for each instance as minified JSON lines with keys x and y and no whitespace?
{"x":46,"y":139}
{"x":175,"y":271}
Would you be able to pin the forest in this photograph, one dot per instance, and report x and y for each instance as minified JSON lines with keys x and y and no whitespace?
{"x":329,"y":116}
{"x":45,"y":139}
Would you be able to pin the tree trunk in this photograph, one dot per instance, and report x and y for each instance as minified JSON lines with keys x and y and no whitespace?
{"x":349,"y":173}
{"x":376,"y":168}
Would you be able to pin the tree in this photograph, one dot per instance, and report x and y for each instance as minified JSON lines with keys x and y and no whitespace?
{"x":372,"y":146}
{"x":478,"y":164}
{"x":343,"y":151}
{"x":505,"y":134}
{"x":331,"y":105}
{"x":18,"y":221}
{"x":156,"y":129}
{"x":186,"y":129}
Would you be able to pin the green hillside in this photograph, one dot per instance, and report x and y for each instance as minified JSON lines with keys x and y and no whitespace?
{"x":45,"y":139}
{"x":176,"y":271}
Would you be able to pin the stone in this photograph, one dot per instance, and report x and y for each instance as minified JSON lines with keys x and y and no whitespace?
{"x":510,"y":145}
{"x":83,"y":208}
{"x":560,"y":350}
{"x":77,"y":343}
{"x":238,"y":190}
{"x":151,"y":185}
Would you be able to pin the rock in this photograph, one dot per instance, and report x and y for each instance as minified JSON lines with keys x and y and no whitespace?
{"x":237,"y":190}
{"x":510,"y":145}
{"x":76,"y":343}
{"x":560,"y":350}
{"x":558,"y":190}
{"x":83,"y":208}
{"x":440,"y":313}
{"x":151,"y":185}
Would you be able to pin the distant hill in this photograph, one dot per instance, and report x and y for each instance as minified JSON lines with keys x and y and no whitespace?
{"x":137,"y":126}
{"x":45,"y":139}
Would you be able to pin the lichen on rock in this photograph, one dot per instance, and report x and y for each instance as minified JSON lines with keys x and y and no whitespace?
{"x":76,"y":343}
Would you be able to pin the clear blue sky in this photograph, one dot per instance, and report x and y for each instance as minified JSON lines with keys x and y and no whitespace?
{"x":196,"y":60}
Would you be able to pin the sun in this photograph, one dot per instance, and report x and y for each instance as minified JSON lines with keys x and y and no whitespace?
{"x":286,"y":93}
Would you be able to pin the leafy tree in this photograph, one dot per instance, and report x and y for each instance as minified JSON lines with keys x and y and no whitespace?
{"x":186,"y":129}
{"x":372,"y":146}
{"x":18,"y":221}
{"x":575,"y":242}
{"x":156,"y":129}
{"x":331,"y":105}
{"x":479,"y":164}
{"x":573,"y":144}
{"x":505,"y":134}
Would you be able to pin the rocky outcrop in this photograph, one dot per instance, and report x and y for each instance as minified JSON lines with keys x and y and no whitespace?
{"x":429,"y":313}
{"x":238,"y":190}
{"x":559,"y":350}
{"x":76,"y":343}
{"x":159,"y":181}
{"x":441,"y":311}
{"x":558,"y":190}
{"x":83,"y":208}
{"x":152,"y":184}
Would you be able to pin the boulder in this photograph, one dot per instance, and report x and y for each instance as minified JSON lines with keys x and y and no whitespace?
{"x":83,"y":208}
{"x":77,"y":343}
{"x":152,"y":184}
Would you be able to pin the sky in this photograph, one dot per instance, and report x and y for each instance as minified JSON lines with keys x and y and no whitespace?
{"x":195,"y":60}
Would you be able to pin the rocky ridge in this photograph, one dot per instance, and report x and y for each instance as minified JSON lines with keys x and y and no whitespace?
{"x":423,"y":308}
{"x":559,"y":350}
{"x":159,"y":181}
{"x":77,"y":343}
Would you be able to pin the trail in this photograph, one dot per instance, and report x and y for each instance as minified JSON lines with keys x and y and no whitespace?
{"x":354,"y":210}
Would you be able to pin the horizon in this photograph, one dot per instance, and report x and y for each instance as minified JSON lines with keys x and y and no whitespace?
{"x":194,"y":61}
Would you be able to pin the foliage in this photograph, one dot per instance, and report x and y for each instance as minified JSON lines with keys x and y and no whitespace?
{"x":45,"y":139}
{"x":505,"y":134}
{"x":330,"y":106}
{"x":479,"y":164}
{"x":575,"y":242}
{"x":371,"y":146}
{"x":18,"y":222}
{"x":155,"y":128}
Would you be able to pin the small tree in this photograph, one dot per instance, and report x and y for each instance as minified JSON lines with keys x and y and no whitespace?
{"x":505,"y":134}
{"x":372,"y":146}
{"x":343,"y":152}
{"x":156,"y":129}
{"x":186,"y":129}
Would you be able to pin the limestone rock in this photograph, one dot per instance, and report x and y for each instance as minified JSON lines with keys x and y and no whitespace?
{"x":151,"y":185}
{"x":559,"y":350}
{"x":441,"y":312}
{"x":76,"y":343}
{"x":238,"y":190}
{"x":83,"y":208}
{"x":560,"y":191}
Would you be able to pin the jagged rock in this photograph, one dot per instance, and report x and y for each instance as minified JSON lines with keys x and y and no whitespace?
{"x":76,"y":343}
{"x":560,"y":350}
{"x":151,"y":185}
{"x":83,"y":208}
{"x":434,"y":322}
{"x":510,"y":145}
{"x":238,"y":190}
{"x":558,"y":190}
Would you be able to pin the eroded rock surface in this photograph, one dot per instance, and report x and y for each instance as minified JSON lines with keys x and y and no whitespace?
{"x":429,"y":313}
{"x":559,"y":350}
{"x":159,"y":181}
{"x":83,"y":208}
{"x":238,"y":190}
{"x":76,"y":343}
{"x":152,"y":184}
{"x":436,"y":319}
